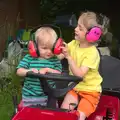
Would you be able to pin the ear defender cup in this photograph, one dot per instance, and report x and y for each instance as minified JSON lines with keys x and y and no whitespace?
{"x":33,"y":49}
{"x":57,"y":46}
{"x":56,"y":49}
{"x":94,"y":34}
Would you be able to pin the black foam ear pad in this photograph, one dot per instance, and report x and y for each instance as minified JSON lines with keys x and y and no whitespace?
{"x":36,"y":46}
{"x":33,"y":49}
{"x":57,"y":46}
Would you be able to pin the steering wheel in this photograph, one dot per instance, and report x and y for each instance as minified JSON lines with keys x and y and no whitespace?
{"x":55,"y":77}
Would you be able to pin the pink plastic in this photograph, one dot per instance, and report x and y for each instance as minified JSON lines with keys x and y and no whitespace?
{"x":93,"y":34}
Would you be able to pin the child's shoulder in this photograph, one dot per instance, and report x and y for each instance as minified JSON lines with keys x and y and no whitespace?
{"x":28,"y":56}
{"x":54,"y":58}
{"x":73,"y":42}
{"x":92,"y":51}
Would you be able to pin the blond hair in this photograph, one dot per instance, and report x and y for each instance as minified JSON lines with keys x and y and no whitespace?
{"x":90,"y":19}
{"x":45,"y":36}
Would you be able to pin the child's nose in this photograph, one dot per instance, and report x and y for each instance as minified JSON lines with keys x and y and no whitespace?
{"x":76,"y":28}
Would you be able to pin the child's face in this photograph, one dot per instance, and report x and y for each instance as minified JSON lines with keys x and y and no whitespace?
{"x":80,"y":31}
{"x":45,"y":52}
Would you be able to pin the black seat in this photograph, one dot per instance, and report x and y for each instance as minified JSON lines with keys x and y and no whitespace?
{"x":112,"y":92}
{"x":110,"y":71}
{"x":63,"y":84}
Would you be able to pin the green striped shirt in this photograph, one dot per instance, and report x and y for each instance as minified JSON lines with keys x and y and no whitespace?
{"x":32,"y":86}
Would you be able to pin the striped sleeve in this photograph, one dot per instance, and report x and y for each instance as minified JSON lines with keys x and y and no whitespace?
{"x":24,"y":63}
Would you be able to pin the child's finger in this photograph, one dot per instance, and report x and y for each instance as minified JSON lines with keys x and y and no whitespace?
{"x":42,"y":72}
{"x":56,"y":71}
{"x":65,"y":44}
{"x":34,"y":70}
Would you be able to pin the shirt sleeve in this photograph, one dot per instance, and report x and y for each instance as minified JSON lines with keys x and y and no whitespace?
{"x":91,"y":60}
{"x":24,"y":63}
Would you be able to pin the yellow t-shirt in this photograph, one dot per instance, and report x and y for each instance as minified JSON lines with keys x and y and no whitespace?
{"x":87,"y":57}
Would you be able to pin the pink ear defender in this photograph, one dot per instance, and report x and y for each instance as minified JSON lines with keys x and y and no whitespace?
{"x":94,"y":34}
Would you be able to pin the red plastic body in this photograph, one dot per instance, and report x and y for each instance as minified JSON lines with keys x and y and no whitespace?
{"x":106,"y":102}
{"x":39,"y":114}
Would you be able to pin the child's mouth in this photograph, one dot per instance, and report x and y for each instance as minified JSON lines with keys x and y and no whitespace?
{"x":49,"y":55}
{"x":76,"y":34}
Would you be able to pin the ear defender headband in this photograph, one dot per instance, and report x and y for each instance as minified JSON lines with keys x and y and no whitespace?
{"x":94,"y":33}
{"x":56,"y":49}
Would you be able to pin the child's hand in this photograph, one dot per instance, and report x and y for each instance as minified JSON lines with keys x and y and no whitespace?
{"x":65,"y":50}
{"x":50,"y":70}
{"x":43,"y":70}
{"x":53,"y":71}
{"x":34,"y":70}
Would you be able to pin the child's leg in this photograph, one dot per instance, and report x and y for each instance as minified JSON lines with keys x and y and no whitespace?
{"x":88,"y":103}
{"x":82,"y":116}
{"x":71,"y":97}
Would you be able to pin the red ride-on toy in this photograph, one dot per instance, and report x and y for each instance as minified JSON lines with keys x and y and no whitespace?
{"x":107,"y":109}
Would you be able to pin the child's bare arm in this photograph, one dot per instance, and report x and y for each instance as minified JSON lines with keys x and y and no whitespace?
{"x":22,"y":71}
{"x":77,"y":71}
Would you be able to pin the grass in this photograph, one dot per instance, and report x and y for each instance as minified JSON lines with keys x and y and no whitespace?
{"x":9,"y":87}
{"x":6,"y":106}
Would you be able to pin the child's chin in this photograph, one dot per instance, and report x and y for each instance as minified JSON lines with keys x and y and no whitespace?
{"x":47,"y":57}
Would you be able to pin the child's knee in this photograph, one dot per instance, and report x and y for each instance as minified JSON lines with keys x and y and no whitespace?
{"x":70,"y":100}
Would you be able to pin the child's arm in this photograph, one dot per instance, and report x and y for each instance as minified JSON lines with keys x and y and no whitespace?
{"x":77,"y":71}
{"x":22,"y":71}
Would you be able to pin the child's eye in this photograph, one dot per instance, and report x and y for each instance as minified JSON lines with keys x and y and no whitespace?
{"x":80,"y":29}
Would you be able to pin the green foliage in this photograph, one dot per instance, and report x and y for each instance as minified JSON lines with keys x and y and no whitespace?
{"x":9,"y":81}
{"x":10,"y":85}
{"x":6,"y":106}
